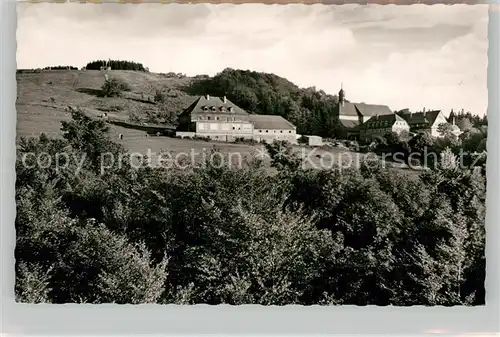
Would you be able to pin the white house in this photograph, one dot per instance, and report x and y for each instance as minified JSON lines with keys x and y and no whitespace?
{"x":220,"y":119}
{"x":425,"y":121}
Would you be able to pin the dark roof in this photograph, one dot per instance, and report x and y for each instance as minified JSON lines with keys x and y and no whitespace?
{"x":347,"y":109}
{"x":382,"y":121}
{"x":356,"y":109}
{"x":373,"y":109}
{"x":421,"y":117}
{"x":221,"y":107}
{"x":272,"y":122}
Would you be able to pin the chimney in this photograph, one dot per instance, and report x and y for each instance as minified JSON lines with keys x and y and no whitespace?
{"x":207,"y":96}
{"x":411,"y":114}
{"x":453,"y":121}
{"x":225,"y":100}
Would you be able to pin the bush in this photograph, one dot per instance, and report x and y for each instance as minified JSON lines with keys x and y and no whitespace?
{"x":242,"y":140}
{"x":114,"y":88}
{"x":160,"y":96}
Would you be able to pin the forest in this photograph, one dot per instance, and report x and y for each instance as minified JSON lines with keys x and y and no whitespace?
{"x":216,"y":234}
{"x":116,"y":65}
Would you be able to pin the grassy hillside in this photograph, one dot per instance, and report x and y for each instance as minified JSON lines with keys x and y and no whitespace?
{"x":43,"y":97}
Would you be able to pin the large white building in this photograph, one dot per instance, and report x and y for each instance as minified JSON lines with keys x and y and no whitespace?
{"x":220,"y":119}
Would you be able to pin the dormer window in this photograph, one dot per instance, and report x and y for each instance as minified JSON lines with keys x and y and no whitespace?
{"x":213,"y":109}
{"x":230,"y":109}
{"x":223,"y":109}
{"x":205,"y":108}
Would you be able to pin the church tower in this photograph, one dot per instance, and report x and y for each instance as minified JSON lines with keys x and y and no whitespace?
{"x":341,"y":96}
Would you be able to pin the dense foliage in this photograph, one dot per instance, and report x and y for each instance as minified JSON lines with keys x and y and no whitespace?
{"x":215,"y":234}
{"x":469,"y":148}
{"x":468,"y":120}
{"x":262,"y":93}
{"x":116,"y":65}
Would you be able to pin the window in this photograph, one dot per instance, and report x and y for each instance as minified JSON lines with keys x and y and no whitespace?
{"x":260,"y":131}
{"x":213,"y":109}
{"x":208,"y":117}
{"x":223,"y":109}
{"x":216,"y":118}
{"x":267,"y":130}
{"x":205,"y":108}
{"x":281,"y":131}
{"x":290,"y":131}
{"x":234,"y":128}
{"x":230,"y":109}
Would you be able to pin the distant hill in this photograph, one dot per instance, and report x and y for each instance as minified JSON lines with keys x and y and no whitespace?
{"x":43,"y":97}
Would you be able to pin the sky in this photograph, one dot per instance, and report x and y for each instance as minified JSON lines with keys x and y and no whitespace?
{"x":415,"y":57}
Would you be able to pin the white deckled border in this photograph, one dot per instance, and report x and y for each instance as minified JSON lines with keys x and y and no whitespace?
{"x":50,"y":320}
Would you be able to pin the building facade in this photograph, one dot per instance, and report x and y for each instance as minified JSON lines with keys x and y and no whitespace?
{"x":268,"y":128}
{"x":378,"y":126}
{"x":425,"y":121}
{"x":219,"y":119}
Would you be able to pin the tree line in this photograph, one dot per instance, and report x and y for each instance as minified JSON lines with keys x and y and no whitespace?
{"x":116,"y":65}
{"x":215,"y":234}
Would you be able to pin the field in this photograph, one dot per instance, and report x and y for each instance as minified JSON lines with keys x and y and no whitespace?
{"x":43,"y":100}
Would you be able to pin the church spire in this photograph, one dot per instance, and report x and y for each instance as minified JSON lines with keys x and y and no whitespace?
{"x":341,"y":94}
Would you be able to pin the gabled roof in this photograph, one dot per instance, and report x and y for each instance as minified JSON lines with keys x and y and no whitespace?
{"x":347,"y":109}
{"x":272,"y":122}
{"x":221,"y":107}
{"x":382,"y":121}
{"x":373,"y":109}
{"x":428,"y":117}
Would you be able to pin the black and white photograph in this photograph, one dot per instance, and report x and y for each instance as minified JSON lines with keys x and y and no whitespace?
{"x":251,"y":154}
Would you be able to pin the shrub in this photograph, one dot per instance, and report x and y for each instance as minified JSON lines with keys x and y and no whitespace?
{"x":114,"y":88}
{"x":160,"y":96}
